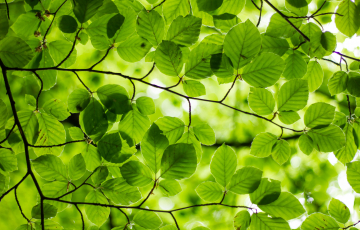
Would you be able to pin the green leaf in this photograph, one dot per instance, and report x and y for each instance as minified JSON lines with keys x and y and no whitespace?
{"x":210,"y":191}
{"x":296,"y":66}
{"x":267,"y":192}
{"x":120,"y":192}
{"x":306,"y":144}
{"x":4,"y":24}
{"x":30,"y":100}
{"x":59,"y":50}
{"x":4,"y":113}
{"x":178,"y":161}
{"x":168,"y":58}
{"x":287,"y":206}
{"x":134,"y":125}
{"x":277,"y":46}
{"x":14,"y":52}
{"x":55,"y":189}
{"x":4,"y":182}
{"x":245,"y":181}
{"x":189,"y":138}
{"x":151,"y":26}
{"x":225,"y":21}
{"x":50,"y":168}
{"x":8,"y":161}
{"x":208,"y":5}
{"x":153,"y":146}
{"x":339,"y":211}
{"x":264,"y":71}
{"x":194,"y":88}
{"x":91,"y":156}
{"x":67,"y":24}
{"x":78,"y":100}
{"x":242,"y":220}
{"x":51,"y":132}
{"x":136,"y":174}
{"x":110,"y":147}
{"x":115,"y":98}
{"x":205,"y":134}
{"x":347,"y":153}
{"x":281,"y":151}
{"x":328,"y":41}
{"x":184,"y":30}
{"x":223,"y":165}
{"x":314,"y":75}
{"x":26,"y":24}
{"x":298,"y":3}
{"x":328,"y":139}
{"x":145,"y":105}
{"x":147,"y":220}
{"x":49,"y":225}
{"x":173,"y":8}
{"x":231,"y":7}
{"x":242,"y":43}
{"x":97,"y":214}
{"x":77,"y":167}
{"x":353,"y":175}
{"x":338,"y":82}
{"x":198,"y":64}
{"x":93,"y":120}
{"x":319,"y":114}
{"x":133,"y":49}
{"x":261,"y":221}
{"x":289,"y":117}
{"x":100,"y":175}
{"x":293,"y":95}
{"x":280,"y":28}
{"x":86,"y":9}
{"x":221,"y":65}
{"x":114,"y":24}
{"x":76,"y":133}
{"x":57,"y":109}
{"x":172,"y":127}
{"x":349,"y":22}
{"x":319,"y":221}
{"x":261,"y":101}
{"x":340,"y":119}
{"x":353,"y":84}
{"x":169,"y":187}
{"x":262,"y":144}
{"x":48,"y":209}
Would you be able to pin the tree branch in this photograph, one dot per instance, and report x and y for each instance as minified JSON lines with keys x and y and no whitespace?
{"x":82,"y":217}
{"x":41,"y":89}
{"x":147,"y":197}
{"x":103,"y":58}
{"x":51,"y":146}
{"x":176,"y":223}
{"x":18,"y":203}
{"x":87,"y":88}
{"x":8,"y":135}
{"x":52,"y":21}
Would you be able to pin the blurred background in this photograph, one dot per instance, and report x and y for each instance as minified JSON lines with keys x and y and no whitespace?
{"x":314,"y":179}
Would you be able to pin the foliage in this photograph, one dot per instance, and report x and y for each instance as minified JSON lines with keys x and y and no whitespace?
{"x":91,"y":145}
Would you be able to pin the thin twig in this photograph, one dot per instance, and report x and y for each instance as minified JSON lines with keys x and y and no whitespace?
{"x":261,"y":8}
{"x":134,"y":90}
{"x":255,"y":4}
{"x":72,"y":49}
{"x":87,"y":88}
{"x":7,"y":7}
{"x":82,"y":217}
{"x":18,"y":203}
{"x":325,"y":59}
{"x":189,"y":112}
{"x":57,"y":145}
{"x":147,"y":197}
{"x":227,"y":93}
{"x":41,"y":89}
{"x":8,"y":191}
{"x":349,"y":104}
{"x":158,"y":5}
{"x":8,"y":135}
{"x":353,"y":225}
{"x":103,"y":58}
{"x":127,"y":218}
{"x":151,"y":70}
{"x":52,"y":21}
{"x":176,"y":223}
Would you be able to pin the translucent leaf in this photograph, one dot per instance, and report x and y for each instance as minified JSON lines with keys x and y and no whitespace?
{"x":263,"y":144}
{"x":261,"y":101}
{"x":320,"y":221}
{"x":184,"y":30}
{"x":134,"y":125}
{"x":339,"y":211}
{"x":145,"y":105}
{"x":353,"y":84}
{"x":91,"y":156}
{"x":147,"y":220}
{"x":221,"y":65}
{"x":59,"y":50}
{"x":26,"y":24}
{"x":173,"y":8}
{"x":172,"y":128}
{"x":314,"y":75}
{"x":78,"y":100}
{"x":319,"y":114}
{"x":225,"y":21}
{"x":298,"y":3}
{"x":77,"y":167}
{"x":30,"y":100}
{"x":328,"y":41}
{"x":289,"y":117}
{"x":14,"y":52}
{"x":100,"y":175}
{"x":209,"y":5}
{"x":67,"y":24}
{"x":136,"y":174}
{"x":277,"y":46}
{"x":295,"y":66}
{"x":86,"y":9}
{"x":205,"y":134}
{"x":281,"y":151}
{"x":210,"y":191}
{"x":8,"y":161}
{"x":152,"y":147}
{"x":245,"y":181}
{"x":133,"y":49}
{"x":231,"y":7}
{"x":55,"y":189}
{"x":178,"y":161}
{"x":76,"y":133}
{"x":279,"y":28}
{"x":223,"y":165}
{"x":120,"y":192}
{"x":347,"y":153}
{"x":306,"y":144}
{"x":151,"y":26}
{"x":267,"y":192}
{"x":194,"y":88}
{"x":115,"y":98}
{"x":3,"y":113}
{"x":110,"y":148}
{"x":349,"y":23}
{"x":293,"y":95}
{"x":328,"y":139}
{"x":96,"y":214}
{"x":338,"y":82}
{"x":314,"y":47}
{"x":263,"y":221}
{"x":50,"y":168}
{"x":353,"y":175}
{"x":189,"y":138}
{"x":169,"y":187}
{"x":4,"y":24}
{"x":114,"y":25}
{"x":169,"y":59}
{"x":242,"y":220}
{"x":242,"y":43}
{"x":93,"y":120}
{"x":48,"y":209}
{"x":56,"y":108}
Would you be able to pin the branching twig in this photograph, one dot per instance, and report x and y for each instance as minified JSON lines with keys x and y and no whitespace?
{"x":72,"y":49}
{"x":52,"y":21}
{"x":15,"y":186}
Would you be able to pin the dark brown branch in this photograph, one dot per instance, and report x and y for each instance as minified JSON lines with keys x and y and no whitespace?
{"x":151,"y":70}
{"x":158,"y":5}
{"x":52,"y":21}
{"x":57,"y":145}
{"x":72,"y":48}
{"x":173,"y":86}
{"x":8,"y":135}
{"x":41,"y":89}
{"x":7,"y":7}
{"x":147,"y":197}
{"x":88,"y":89}
{"x":82,"y":217}
{"x":42,"y":213}
{"x":103,"y":58}
{"x":261,"y":8}
{"x":255,"y":4}
{"x":127,"y":218}
{"x":18,"y":203}
{"x":223,"y":198}
{"x":15,"y":186}
{"x":349,"y":104}
{"x":176,"y":223}
{"x":318,"y":10}
{"x":134,"y":89}
{"x":227,"y":93}
{"x":189,"y":112}
{"x":353,"y":225}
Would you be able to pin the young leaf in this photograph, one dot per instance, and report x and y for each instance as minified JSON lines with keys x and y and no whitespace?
{"x":349,"y":22}
{"x":262,"y":144}
{"x":136,"y":174}
{"x":205,"y":134}
{"x":86,"y":9}
{"x":184,"y":30}
{"x":328,"y":139}
{"x":320,"y":221}
{"x":281,"y":151}
{"x":221,"y":65}
{"x":145,"y":105}
{"x":347,"y":153}
{"x":14,"y":52}
{"x":133,"y":49}
{"x":338,"y":82}
{"x":353,"y":84}
{"x":314,"y":75}
{"x":319,"y":114}
{"x":97,"y":214}
{"x":339,"y":211}
{"x":262,"y":221}
{"x":172,"y":128}
{"x":147,"y":220}
{"x":76,"y":133}
{"x":48,"y":209}
{"x":115,"y":98}
{"x":91,"y":156}
{"x":77,"y":167}
{"x":242,"y":220}
{"x":293,"y":95}
{"x":50,"y":168}
{"x":178,"y":161}
{"x":194,"y":88}
{"x":289,"y":117}
{"x":353,"y":175}
{"x":78,"y":100}
{"x":134,"y":125}
{"x":173,"y":8}
{"x":169,"y":187}
{"x":120,"y":192}
{"x":223,"y":165}
{"x":245,"y":181}
{"x":169,"y":58}
{"x":210,"y":191}
{"x":267,"y":192}
{"x":8,"y":161}
{"x":277,"y":46}
{"x":295,"y":66}
{"x":306,"y":144}
{"x":151,"y":26}
{"x":57,"y":109}
{"x":261,"y":101}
